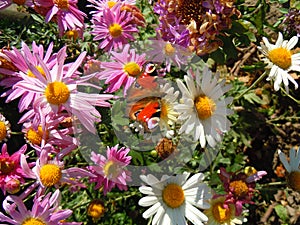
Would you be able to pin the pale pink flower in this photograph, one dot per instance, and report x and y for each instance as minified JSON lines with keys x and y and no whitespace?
{"x":58,"y":91}
{"x":45,"y":210}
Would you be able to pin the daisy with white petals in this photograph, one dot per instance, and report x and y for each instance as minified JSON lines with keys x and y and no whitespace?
{"x":202,"y":109}
{"x":174,"y":198}
{"x":280,"y":60}
{"x":292,"y":167}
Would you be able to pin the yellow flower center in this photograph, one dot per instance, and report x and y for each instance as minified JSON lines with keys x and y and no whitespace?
{"x":57,"y":93}
{"x":36,"y":136}
{"x":169,"y":49}
{"x":205,"y":107}
{"x":33,"y":221}
{"x":96,"y":209}
{"x":6,"y":166}
{"x":115,"y":30}
{"x":111,"y":169}
{"x":281,"y":57}
{"x":72,"y":34}
{"x":111,"y":4}
{"x":50,"y":174}
{"x":132,"y":69}
{"x":39,"y":68}
{"x":239,"y":187}
{"x":62,"y":4}
{"x":164,"y":110}
{"x":3,"y":131}
{"x":19,"y":2}
{"x":293,"y":180}
{"x":173,"y":195}
{"x":220,"y":213}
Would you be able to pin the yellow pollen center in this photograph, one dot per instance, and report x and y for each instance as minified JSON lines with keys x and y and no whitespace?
{"x":19,"y":2}
{"x":72,"y":34}
{"x":132,"y":69}
{"x":220,"y":213}
{"x":96,"y":210}
{"x":169,"y":49}
{"x":281,"y":57}
{"x":39,"y":68}
{"x":111,"y":169}
{"x":35,"y":137}
{"x":173,"y":195}
{"x":293,"y":180}
{"x":239,"y":187}
{"x":3,"y":131}
{"x":115,"y":30}
{"x":33,"y":221}
{"x":62,"y":4}
{"x":6,"y":166}
{"x":111,"y":4}
{"x":164,"y":110}
{"x":205,"y":107}
{"x":50,"y":174}
{"x":57,"y":93}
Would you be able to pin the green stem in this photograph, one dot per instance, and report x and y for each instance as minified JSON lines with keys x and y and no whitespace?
{"x":249,"y":88}
{"x":291,"y":97}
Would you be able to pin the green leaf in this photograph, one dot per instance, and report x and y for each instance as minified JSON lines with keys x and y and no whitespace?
{"x":281,"y":212}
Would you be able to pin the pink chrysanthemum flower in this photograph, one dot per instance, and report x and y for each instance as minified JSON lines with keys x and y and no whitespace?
{"x":168,"y":53}
{"x":58,"y":91}
{"x":123,"y":71}
{"x":240,"y":186}
{"x":5,"y":130}
{"x":50,"y":172}
{"x":6,"y":3}
{"x":50,"y":133}
{"x":111,"y":171}
{"x":101,"y":5}
{"x":114,"y":28}
{"x":64,"y":12}
{"x":10,"y":169}
{"x":45,"y":211}
{"x":18,"y":58}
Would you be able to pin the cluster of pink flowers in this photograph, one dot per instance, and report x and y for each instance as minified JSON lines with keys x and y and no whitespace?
{"x":64,"y":12}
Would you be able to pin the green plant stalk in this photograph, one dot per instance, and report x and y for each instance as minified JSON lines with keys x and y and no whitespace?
{"x":249,"y":88}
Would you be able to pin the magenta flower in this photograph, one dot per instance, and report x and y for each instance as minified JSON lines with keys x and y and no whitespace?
{"x":45,"y":210}
{"x":111,"y":171}
{"x":64,"y":12}
{"x":10,"y":169}
{"x":6,"y":3}
{"x":114,"y":28}
{"x":123,"y":71}
{"x":240,"y":187}
{"x":58,"y":91}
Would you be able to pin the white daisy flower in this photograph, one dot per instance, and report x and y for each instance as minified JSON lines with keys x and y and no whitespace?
{"x":292,"y":167}
{"x":174,"y":198}
{"x":202,"y":109}
{"x":280,"y":60}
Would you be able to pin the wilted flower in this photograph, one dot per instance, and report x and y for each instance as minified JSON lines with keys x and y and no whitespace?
{"x":195,"y":23}
{"x":292,"y":167}
{"x":240,"y":187}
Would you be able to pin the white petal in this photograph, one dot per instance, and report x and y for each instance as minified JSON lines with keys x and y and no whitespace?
{"x":148,"y":200}
{"x":285,"y":163}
